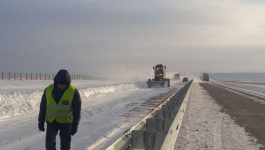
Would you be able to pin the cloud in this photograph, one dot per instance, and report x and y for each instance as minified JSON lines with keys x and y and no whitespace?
{"x":94,"y":36}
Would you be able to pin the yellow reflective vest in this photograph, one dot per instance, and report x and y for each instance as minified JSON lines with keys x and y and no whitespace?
{"x":61,"y":112}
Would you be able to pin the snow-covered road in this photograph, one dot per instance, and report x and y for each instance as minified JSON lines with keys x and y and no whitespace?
{"x":108,"y":109}
{"x":206,"y":126}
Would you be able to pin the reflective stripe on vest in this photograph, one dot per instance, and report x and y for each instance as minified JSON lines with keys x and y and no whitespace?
{"x":59,"y":107}
{"x":58,"y":114}
{"x":61,"y":112}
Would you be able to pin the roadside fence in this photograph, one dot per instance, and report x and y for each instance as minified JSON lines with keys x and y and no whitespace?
{"x":45,"y":76}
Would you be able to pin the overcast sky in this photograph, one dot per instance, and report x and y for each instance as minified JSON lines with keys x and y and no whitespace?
{"x":102,"y":37}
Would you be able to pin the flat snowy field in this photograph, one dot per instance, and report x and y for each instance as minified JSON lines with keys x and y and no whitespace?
{"x":109,"y":109}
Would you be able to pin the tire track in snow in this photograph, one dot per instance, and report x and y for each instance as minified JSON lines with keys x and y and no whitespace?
{"x":218,"y":134}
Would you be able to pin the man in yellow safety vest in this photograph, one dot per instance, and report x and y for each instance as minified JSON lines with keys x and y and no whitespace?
{"x":60,"y":107}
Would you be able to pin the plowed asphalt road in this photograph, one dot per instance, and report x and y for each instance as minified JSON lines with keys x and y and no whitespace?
{"x":246,"y":112}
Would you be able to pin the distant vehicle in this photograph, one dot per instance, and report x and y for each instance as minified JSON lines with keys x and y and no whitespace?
{"x":185,"y":80}
{"x":176,"y":76}
{"x":159,"y":77}
{"x":205,"y":77}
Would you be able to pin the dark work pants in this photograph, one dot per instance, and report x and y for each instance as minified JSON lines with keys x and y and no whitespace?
{"x":65,"y":135}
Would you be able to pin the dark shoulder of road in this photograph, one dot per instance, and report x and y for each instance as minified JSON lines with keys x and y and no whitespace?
{"x":246,"y":112}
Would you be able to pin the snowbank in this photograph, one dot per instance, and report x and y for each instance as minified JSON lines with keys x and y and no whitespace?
{"x":23,"y":97}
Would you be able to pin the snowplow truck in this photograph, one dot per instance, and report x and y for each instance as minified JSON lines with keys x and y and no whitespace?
{"x":159,"y":79}
{"x":205,"y":77}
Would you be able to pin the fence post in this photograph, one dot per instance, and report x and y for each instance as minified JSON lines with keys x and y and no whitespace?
{"x":45,"y":76}
{"x":40,"y":76}
{"x":36,"y":76}
{"x":26,"y":76}
{"x":2,"y":75}
{"x":14,"y":76}
{"x":20,"y":76}
{"x":49,"y":76}
{"x":9,"y":76}
{"x":31,"y":76}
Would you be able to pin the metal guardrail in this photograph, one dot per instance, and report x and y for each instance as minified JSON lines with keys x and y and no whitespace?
{"x":160,"y":128}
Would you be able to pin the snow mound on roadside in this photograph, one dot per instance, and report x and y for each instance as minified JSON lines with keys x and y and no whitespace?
{"x":102,"y":90}
{"x":19,"y":103}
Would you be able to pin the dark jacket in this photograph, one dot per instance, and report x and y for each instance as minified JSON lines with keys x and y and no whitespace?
{"x":62,"y":76}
